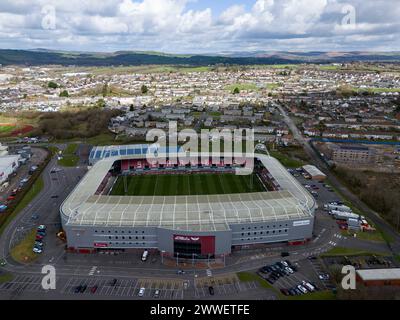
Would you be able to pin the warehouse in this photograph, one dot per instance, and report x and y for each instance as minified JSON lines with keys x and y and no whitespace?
{"x":198,"y":225}
{"x":379,"y":277}
{"x":314,"y":172}
{"x":8,"y":165}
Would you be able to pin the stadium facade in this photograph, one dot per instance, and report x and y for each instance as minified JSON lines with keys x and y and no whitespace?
{"x":200,"y":226}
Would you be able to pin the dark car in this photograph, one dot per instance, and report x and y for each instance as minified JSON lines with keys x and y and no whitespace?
{"x":114,"y":282}
{"x":271,"y":280}
{"x":93,"y":289}
{"x":284,"y":254}
{"x":285,"y":292}
{"x":54,"y":197}
{"x":292,"y":292}
{"x":211,"y":290}
{"x":78,"y":289}
{"x":83,"y":288}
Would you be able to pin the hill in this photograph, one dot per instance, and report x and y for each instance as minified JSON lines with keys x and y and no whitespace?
{"x":125,"y":58}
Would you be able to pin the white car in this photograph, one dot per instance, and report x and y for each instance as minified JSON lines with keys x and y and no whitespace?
{"x":302,"y":289}
{"x":290,"y":270}
{"x":141,"y":292}
{"x":285,"y":263}
{"x":37,"y":250}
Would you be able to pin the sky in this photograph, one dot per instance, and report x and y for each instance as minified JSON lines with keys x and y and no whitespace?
{"x":201,"y":26}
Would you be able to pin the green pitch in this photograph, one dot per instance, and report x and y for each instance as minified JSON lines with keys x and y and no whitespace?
{"x":190,"y":184}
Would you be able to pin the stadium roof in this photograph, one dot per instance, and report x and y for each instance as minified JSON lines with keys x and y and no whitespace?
{"x":102,"y":152}
{"x":189,"y":213}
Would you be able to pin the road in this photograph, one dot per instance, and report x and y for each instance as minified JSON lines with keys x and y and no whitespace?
{"x":374,"y":216}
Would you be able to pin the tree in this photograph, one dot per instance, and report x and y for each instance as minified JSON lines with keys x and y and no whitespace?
{"x":131,"y":108}
{"x":100,"y":103}
{"x":64,"y":94}
{"x":236,"y":90}
{"x":52,"y":85}
{"x":144,"y":89}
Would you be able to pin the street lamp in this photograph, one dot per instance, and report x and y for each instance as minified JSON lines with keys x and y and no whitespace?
{"x":177,"y":259}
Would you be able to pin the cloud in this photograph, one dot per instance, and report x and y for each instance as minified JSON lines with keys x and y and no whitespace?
{"x":189,"y":26}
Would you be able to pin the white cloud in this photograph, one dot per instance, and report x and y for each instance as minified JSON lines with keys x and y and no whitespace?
{"x":181,"y":26}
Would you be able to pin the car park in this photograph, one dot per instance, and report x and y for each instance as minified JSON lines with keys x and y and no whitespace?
{"x":141,"y":292}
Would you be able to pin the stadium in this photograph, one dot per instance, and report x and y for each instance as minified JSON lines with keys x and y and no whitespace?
{"x":200,"y":209}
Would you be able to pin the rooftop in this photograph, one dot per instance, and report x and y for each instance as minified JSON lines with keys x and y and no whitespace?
{"x":379,"y":274}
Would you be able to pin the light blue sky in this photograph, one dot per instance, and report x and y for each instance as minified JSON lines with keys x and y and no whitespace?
{"x":201,"y":26}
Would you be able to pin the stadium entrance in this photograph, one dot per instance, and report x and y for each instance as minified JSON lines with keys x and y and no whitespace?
{"x":199,"y":247}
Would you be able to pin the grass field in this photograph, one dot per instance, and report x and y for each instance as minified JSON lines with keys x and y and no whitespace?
{"x":69,"y":158}
{"x":195,"y":184}
{"x":22,"y":252}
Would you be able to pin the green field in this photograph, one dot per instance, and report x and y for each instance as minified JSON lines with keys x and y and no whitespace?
{"x":186,"y":184}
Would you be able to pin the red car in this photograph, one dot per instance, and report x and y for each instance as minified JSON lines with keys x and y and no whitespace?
{"x":93,"y":289}
{"x":10,"y":198}
{"x":39,"y":237}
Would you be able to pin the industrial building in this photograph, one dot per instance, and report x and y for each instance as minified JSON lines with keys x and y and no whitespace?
{"x":8,"y":165}
{"x":379,"y":277}
{"x":314,"y":172}
{"x":200,"y":226}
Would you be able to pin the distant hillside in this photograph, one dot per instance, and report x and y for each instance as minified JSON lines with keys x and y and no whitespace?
{"x":47,"y":57}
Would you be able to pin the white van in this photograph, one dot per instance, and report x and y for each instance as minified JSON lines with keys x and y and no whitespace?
{"x":144,"y":255}
{"x":308,"y":286}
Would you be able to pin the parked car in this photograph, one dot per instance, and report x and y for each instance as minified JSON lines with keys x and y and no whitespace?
{"x":78,"y":289}
{"x":3,"y":208}
{"x":113,"y":282}
{"x":41,"y":227}
{"x":141,"y":292}
{"x":285,"y":292}
{"x":94,"y":289}
{"x":37,"y":250}
{"x":284,"y":254}
{"x":83,"y":288}
{"x":156,"y":293}
{"x":211,"y":290}
{"x":302,"y":289}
